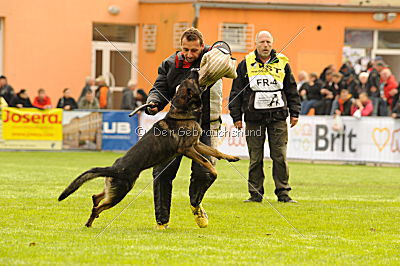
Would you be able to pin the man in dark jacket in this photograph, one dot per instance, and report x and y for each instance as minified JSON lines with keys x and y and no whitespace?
{"x":21,"y":100}
{"x":6,"y":91}
{"x":171,"y":73}
{"x":265,"y":92}
{"x":67,"y":102}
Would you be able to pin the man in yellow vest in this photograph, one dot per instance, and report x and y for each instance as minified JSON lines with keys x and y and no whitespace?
{"x":265,"y":93}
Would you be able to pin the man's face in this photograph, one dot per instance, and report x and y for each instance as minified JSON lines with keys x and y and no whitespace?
{"x":344,"y":94}
{"x":336,"y":79}
{"x":264,"y":45}
{"x":67,"y":94}
{"x":363,"y":97}
{"x":385,"y":75}
{"x":3,"y":82}
{"x":89,"y":97}
{"x":42,"y":94}
{"x":363,"y":79}
{"x":191,"y":50}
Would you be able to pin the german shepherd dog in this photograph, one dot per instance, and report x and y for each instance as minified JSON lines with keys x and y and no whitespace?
{"x":178,"y":133}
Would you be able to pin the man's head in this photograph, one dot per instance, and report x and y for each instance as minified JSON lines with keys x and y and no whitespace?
{"x":23,"y":94}
{"x":41,"y":93}
{"x":100,"y":81}
{"x":385,"y":74}
{"x":328,"y":75}
{"x":67,"y":93}
{"x":363,"y":97}
{"x":313,"y":76}
{"x":344,"y":94}
{"x":89,"y":81}
{"x":264,"y":42}
{"x":192,"y":44}
{"x":141,"y":95}
{"x":3,"y":81}
{"x":131,"y":85}
{"x":336,"y":77}
{"x":363,"y":77}
{"x":89,"y":96}
{"x":379,"y":65}
{"x":302,"y":75}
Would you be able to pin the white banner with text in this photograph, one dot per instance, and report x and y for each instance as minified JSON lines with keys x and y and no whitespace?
{"x":369,"y":139}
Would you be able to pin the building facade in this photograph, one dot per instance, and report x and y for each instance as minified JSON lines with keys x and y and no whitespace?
{"x":56,"y":44}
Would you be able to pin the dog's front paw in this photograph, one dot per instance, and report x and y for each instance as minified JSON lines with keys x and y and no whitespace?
{"x":233,"y":159}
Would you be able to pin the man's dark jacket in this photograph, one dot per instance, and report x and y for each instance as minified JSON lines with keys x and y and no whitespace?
{"x":240,"y":96}
{"x":171,"y":73}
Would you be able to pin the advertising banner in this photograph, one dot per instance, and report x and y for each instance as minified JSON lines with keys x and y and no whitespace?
{"x":32,"y":124}
{"x":82,"y":130}
{"x":30,"y":129}
{"x":119,"y":131}
{"x":369,"y":139}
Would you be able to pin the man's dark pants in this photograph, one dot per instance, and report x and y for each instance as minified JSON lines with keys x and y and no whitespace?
{"x":277,"y":140}
{"x":200,"y":181}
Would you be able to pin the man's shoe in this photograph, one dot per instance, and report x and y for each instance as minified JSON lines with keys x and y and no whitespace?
{"x":253,"y":199}
{"x":162,"y":227}
{"x":286,"y":199}
{"x":200,"y":216}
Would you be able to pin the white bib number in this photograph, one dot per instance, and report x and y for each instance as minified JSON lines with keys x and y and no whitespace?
{"x":268,"y":100}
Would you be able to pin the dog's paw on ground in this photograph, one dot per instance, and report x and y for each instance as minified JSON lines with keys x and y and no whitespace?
{"x":233,"y":159}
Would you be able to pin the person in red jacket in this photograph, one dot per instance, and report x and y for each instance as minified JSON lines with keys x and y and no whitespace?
{"x":364,"y":104}
{"x":389,"y":85}
{"x":42,"y":101}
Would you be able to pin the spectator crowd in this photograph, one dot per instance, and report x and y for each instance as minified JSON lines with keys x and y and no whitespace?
{"x":95,"y":95}
{"x":373,"y":92}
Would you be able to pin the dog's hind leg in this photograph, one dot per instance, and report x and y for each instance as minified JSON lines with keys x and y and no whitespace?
{"x":207,"y":150}
{"x":200,"y":159}
{"x":96,"y":198}
{"x":114,"y":192}
{"x":97,"y":210}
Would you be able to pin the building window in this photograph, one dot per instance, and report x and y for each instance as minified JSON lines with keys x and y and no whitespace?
{"x":179,"y":28}
{"x":113,"y":33}
{"x":359,"y":38}
{"x":240,"y":37}
{"x":388,"y":39}
{"x":149,"y":37}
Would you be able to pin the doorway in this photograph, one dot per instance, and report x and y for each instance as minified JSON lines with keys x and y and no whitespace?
{"x":114,"y":51}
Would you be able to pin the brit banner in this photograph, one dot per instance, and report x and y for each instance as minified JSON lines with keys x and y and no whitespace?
{"x":369,"y":139}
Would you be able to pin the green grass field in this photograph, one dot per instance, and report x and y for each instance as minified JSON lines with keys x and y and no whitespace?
{"x":347,"y":214}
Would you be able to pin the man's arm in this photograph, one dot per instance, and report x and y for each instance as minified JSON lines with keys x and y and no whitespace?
{"x":237,"y":92}
{"x":292,"y":95}
{"x":159,"y":94}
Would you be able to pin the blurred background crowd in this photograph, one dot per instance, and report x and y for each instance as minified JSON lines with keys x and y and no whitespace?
{"x":373,"y":91}
{"x":95,"y":94}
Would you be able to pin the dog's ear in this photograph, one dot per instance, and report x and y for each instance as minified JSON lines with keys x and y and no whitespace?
{"x":195,"y":74}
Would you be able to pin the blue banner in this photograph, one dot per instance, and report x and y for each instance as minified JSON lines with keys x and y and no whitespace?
{"x":119,"y":130}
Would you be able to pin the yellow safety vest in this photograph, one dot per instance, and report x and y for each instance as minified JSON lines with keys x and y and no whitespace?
{"x":266,"y":81}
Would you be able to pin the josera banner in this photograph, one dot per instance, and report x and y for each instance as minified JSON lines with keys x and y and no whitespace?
{"x":32,"y":124}
{"x":30,"y":129}
{"x":119,"y":130}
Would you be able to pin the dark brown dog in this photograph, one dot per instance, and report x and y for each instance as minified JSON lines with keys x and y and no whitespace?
{"x":178,"y":133}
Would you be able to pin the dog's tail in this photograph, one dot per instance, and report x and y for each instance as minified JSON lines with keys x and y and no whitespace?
{"x":86,"y":176}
